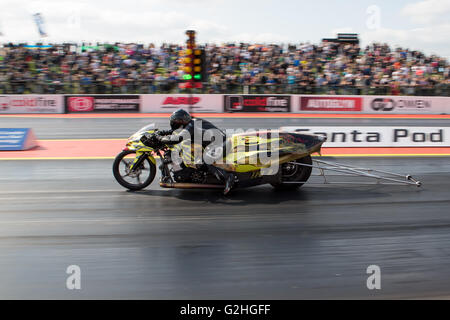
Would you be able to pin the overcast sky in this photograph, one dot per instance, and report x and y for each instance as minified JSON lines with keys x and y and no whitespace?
{"x":416,"y":24}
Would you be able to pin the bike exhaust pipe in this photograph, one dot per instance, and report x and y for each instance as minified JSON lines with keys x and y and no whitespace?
{"x":184,"y":185}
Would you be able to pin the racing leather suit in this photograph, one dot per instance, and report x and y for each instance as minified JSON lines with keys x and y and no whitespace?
{"x":197,"y":127}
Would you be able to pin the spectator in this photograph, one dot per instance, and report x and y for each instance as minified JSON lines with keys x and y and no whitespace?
{"x":125,"y":68}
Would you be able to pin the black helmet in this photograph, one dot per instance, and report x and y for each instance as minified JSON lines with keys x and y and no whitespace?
{"x":179,"y":118}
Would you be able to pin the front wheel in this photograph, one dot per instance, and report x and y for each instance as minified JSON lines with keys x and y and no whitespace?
{"x":136,"y":179}
{"x":294,"y":173}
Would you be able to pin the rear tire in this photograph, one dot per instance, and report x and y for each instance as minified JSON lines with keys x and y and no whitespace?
{"x":146,"y":165}
{"x":291,"y":173}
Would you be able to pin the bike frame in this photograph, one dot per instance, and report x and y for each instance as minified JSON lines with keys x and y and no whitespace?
{"x":380,"y":177}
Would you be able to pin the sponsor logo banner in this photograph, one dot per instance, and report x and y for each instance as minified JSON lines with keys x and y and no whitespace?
{"x":399,"y":136}
{"x":372,"y":104}
{"x":27,"y":103}
{"x":168,"y":103}
{"x":80,"y":104}
{"x":103,"y":103}
{"x":349,"y":104}
{"x":256,"y":103}
{"x":406,"y":104}
{"x":16,"y":139}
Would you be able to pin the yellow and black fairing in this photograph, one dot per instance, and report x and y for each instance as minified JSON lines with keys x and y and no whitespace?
{"x":276,"y":146}
{"x":134,"y":144}
{"x":247,"y":149}
{"x":244,"y":152}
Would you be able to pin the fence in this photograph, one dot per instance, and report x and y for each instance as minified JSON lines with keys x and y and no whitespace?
{"x":170,"y":86}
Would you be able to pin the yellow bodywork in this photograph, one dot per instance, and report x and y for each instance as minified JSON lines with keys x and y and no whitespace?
{"x":247,"y":150}
{"x":245,"y":154}
{"x":134,"y":143}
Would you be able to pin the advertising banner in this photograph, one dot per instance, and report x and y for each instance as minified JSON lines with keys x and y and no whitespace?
{"x":330,"y":103}
{"x":406,"y":104}
{"x":102,"y":103}
{"x":257,"y":103}
{"x":31,"y":103}
{"x":168,"y":103}
{"x":395,"y":136}
{"x":16,"y":139}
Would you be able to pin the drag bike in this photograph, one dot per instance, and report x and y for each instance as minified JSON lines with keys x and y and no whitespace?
{"x":135,"y":167}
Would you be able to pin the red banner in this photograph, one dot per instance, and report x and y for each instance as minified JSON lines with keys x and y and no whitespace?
{"x":349,"y":104}
{"x":80,"y":104}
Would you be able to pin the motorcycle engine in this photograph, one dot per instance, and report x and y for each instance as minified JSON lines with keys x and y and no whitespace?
{"x":190,"y":175}
{"x":198,"y":177}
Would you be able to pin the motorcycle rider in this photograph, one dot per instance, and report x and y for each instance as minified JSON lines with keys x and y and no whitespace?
{"x":180,"y":121}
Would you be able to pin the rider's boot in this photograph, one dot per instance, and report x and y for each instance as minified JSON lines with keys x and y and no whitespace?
{"x":229,"y":182}
{"x":226,"y":177}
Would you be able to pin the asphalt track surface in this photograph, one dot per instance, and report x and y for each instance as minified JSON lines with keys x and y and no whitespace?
{"x":101,"y":128}
{"x":189,"y":244}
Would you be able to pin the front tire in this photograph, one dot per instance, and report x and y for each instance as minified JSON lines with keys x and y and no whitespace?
{"x":293,"y":173}
{"x":135,"y":181}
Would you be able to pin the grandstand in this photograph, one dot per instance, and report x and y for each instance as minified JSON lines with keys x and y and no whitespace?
{"x":334,"y":66}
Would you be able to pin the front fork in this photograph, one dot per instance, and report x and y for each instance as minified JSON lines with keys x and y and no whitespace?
{"x":138,"y":160}
{"x":164,"y":167}
{"x":165,"y":160}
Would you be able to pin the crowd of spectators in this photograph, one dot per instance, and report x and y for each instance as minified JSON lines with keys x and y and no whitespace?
{"x":305,"y":68}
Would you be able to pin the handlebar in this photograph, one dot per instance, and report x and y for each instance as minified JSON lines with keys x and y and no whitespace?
{"x":150,"y":140}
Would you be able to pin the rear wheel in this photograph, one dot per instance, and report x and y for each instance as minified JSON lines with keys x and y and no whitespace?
{"x":135,"y":179}
{"x":294,"y":173}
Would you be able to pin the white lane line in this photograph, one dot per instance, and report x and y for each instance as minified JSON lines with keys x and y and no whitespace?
{"x":26,"y":192}
{"x":51,"y":197}
{"x":131,"y":220}
{"x":56,"y":195}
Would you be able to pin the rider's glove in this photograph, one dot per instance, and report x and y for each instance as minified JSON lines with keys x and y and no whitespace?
{"x":145,"y":139}
{"x":164,"y":132}
{"x":149,"y":140}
